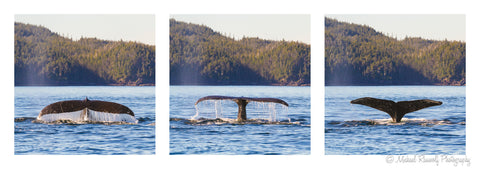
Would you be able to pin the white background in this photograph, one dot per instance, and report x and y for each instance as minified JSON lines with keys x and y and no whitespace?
{"x":162,"y":10}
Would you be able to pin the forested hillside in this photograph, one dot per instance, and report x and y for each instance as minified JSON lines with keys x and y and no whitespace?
{"x":201,"y":56}
{"x":359,"y":55}
{"x":43,"y":57}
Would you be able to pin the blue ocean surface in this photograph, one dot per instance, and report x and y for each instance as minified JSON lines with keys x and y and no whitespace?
{"x":84,"y":138}
{"x":352,"y":129}
{"x":210,"y":127}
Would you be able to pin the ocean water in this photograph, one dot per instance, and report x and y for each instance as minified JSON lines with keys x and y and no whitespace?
{"x":352,"y":129}
{"x":211,"y":126}
{"x":68,"y":138}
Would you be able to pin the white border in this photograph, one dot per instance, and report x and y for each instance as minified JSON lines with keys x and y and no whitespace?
{"x":162,"y":11}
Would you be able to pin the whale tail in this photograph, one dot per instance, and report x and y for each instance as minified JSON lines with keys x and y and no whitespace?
{"x":87,"y":110}
{"x":242,"y":103}
{"x":396,"y":110}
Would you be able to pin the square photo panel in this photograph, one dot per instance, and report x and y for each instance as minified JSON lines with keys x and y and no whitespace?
{"x":395,"y":85}
{"x":240,"y":84}
{"x":84,"y":84}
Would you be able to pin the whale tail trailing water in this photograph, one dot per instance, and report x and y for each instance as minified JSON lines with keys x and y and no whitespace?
{"x":242,"y":103}
{"x":396,"y":110}
{"x":87,"y":110}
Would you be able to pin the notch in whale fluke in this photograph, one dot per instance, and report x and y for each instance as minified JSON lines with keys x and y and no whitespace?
{"x":87,"y":110}
{"x":242,"y":103}
{"x":396,"y":110}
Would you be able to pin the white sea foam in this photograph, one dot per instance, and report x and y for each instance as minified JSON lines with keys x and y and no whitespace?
{"x":222,"y":121}
{"x":390,"y":122}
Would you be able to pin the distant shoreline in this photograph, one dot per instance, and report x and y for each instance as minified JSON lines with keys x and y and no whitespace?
{"x":399,"y":85}
{"x":238,"y":84}
{"x":52,"y":85}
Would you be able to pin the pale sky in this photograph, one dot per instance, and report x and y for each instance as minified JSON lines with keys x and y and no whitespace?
{"x":293,"y":27}
{"x":435,"y":27}
{"x":139,"y":28}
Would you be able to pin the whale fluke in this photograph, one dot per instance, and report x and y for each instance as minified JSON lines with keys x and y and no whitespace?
{"x":87,"y":110}
{"x":396,"y":110}
{"x":242,"y":103}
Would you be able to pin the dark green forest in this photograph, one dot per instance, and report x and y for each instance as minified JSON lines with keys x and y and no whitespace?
{"x":359,"y":55}
{"x":43,"y":57}
{"x":201,"y":56}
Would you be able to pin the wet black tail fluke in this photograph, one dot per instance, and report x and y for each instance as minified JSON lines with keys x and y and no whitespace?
{"x":396,"y":110}
{"x":87,"y":110}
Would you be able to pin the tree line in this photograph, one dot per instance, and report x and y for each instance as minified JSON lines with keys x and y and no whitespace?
{"x":201,"y":56}
{"x":359,"y":55}
{"x":43,"y":57}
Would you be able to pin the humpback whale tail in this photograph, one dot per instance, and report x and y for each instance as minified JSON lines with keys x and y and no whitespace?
{"x":396,"y":110}
{"x":242,"y":103}
{"x":87,"y":110}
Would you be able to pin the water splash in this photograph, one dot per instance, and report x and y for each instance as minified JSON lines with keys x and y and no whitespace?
{"x":272,"y":112}
{"x":73,"y":116}
{"x":111,"y":117}
{"x":214,"y":109}
{"x":72,"y":122}
{"x":93,"y":116}
{"x":226,"y":121}
{"x":228,"y":110}
{"x":389,"y":122}
{"x":218,"y":109}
